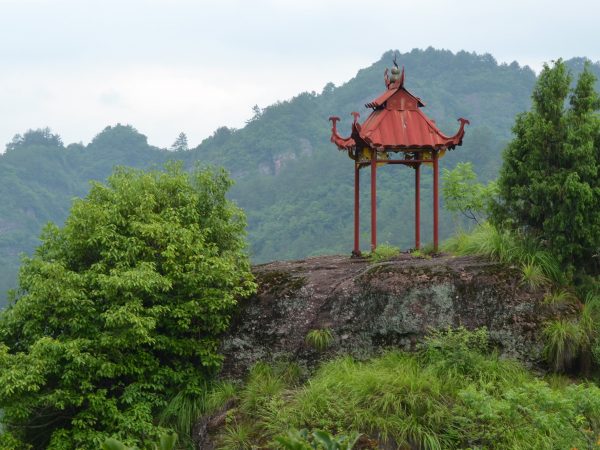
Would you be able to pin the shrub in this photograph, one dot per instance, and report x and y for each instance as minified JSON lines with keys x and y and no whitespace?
{"x":463,"y":194}
{"x":121,"y":308}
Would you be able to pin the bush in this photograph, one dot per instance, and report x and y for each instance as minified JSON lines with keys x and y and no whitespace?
{"x":463,"y":194}
{"x":122,"y":308}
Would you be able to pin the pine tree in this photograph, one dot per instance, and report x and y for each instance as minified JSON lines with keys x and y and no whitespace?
{"x":549,"y":187}
{"x":181,"y":143}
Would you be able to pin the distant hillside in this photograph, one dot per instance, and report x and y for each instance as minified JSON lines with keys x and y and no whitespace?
{"x":295,"y":186}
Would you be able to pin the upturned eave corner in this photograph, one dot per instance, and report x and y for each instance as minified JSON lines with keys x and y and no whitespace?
{"x":341,"y":142}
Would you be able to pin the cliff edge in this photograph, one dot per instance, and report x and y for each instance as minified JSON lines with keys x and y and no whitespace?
{"x":370,"y":306}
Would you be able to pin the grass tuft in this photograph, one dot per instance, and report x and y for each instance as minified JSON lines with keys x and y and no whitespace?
{"x":383,"y":252}
{"x":538,"y":264}
{"x":533,"y":276}
{"x":187,"y":406}
{"x":560,"y":297}
{"x":564,"y":340}
{"x":237,"y":436}
{"x":320,"y":340}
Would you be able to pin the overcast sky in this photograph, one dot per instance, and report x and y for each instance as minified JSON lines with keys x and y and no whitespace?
{"x":166,"y":66}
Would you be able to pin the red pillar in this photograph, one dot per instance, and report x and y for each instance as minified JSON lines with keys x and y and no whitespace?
{"x":373,"y":199}
{"x":417,"y":206}
{"x":356,"y":251}
{"x":436,"y":201}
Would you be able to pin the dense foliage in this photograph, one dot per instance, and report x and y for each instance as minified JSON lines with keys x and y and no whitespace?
{"x":454,"y":393}
{"x":550,"y":179}
{"x":121,"y":309}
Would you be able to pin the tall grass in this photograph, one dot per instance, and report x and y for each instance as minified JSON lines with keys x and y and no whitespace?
{"x":536,"y":263}
{"x":187,"y":406}
{"x":454,"y":393}
{"x":564,"y":340}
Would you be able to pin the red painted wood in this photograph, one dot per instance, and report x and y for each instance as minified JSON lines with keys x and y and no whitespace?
{"x":436,"y":201}
{"x":408,"y":162}
{"x":356,"y":251}
{"x":373,"y":200}
{"x":417,"y":206}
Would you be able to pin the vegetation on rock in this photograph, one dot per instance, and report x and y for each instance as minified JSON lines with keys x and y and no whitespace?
{"x":454,"y":393}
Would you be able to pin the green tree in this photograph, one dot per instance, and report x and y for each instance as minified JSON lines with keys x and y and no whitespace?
{"x":548,"y":183}
{"x":121,"y":308}
{"x":463,"y":194}
{"x":181,"y":143}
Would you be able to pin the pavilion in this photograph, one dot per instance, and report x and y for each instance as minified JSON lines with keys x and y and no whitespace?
{"x":396,"y":125}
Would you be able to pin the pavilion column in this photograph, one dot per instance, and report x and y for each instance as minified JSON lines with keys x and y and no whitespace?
{"x":373,"y":199}
{"x":356,"y":251}
{"x":418,"y":206}
{"x":436,"y":201}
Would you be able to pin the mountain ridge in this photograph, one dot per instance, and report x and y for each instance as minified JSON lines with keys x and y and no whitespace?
{"x":292,"y":182}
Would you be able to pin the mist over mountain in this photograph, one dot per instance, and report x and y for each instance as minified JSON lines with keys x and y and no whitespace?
{"x":296,"y":188}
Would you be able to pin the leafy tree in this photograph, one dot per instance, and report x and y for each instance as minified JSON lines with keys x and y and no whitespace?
{"x":548,"y":183}
{"x":463,"y":194}
{"x":181,"y":143}
{"x":121,"y":308}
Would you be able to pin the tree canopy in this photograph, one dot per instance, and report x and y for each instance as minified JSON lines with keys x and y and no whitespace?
{"x":549,"y":182}
{"x":121,"y":308}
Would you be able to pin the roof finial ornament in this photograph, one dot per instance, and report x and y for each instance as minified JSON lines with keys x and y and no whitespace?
{"x":397,"y":78}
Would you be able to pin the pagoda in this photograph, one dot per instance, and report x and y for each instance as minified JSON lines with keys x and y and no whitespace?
{"x":396,"y":132}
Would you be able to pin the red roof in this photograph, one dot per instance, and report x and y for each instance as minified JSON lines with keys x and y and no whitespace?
{"x":397,"y":123}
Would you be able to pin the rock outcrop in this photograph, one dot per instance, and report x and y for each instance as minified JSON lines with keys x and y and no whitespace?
{"x":370,"y":306}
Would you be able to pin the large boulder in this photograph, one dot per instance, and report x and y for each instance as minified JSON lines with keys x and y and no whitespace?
{"x":371,"y":306}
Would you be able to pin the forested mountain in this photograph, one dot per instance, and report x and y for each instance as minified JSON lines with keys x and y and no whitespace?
{"x":295,"y":186}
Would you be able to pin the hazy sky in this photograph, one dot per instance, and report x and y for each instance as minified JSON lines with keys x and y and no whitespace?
{"x":167,"y":66}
